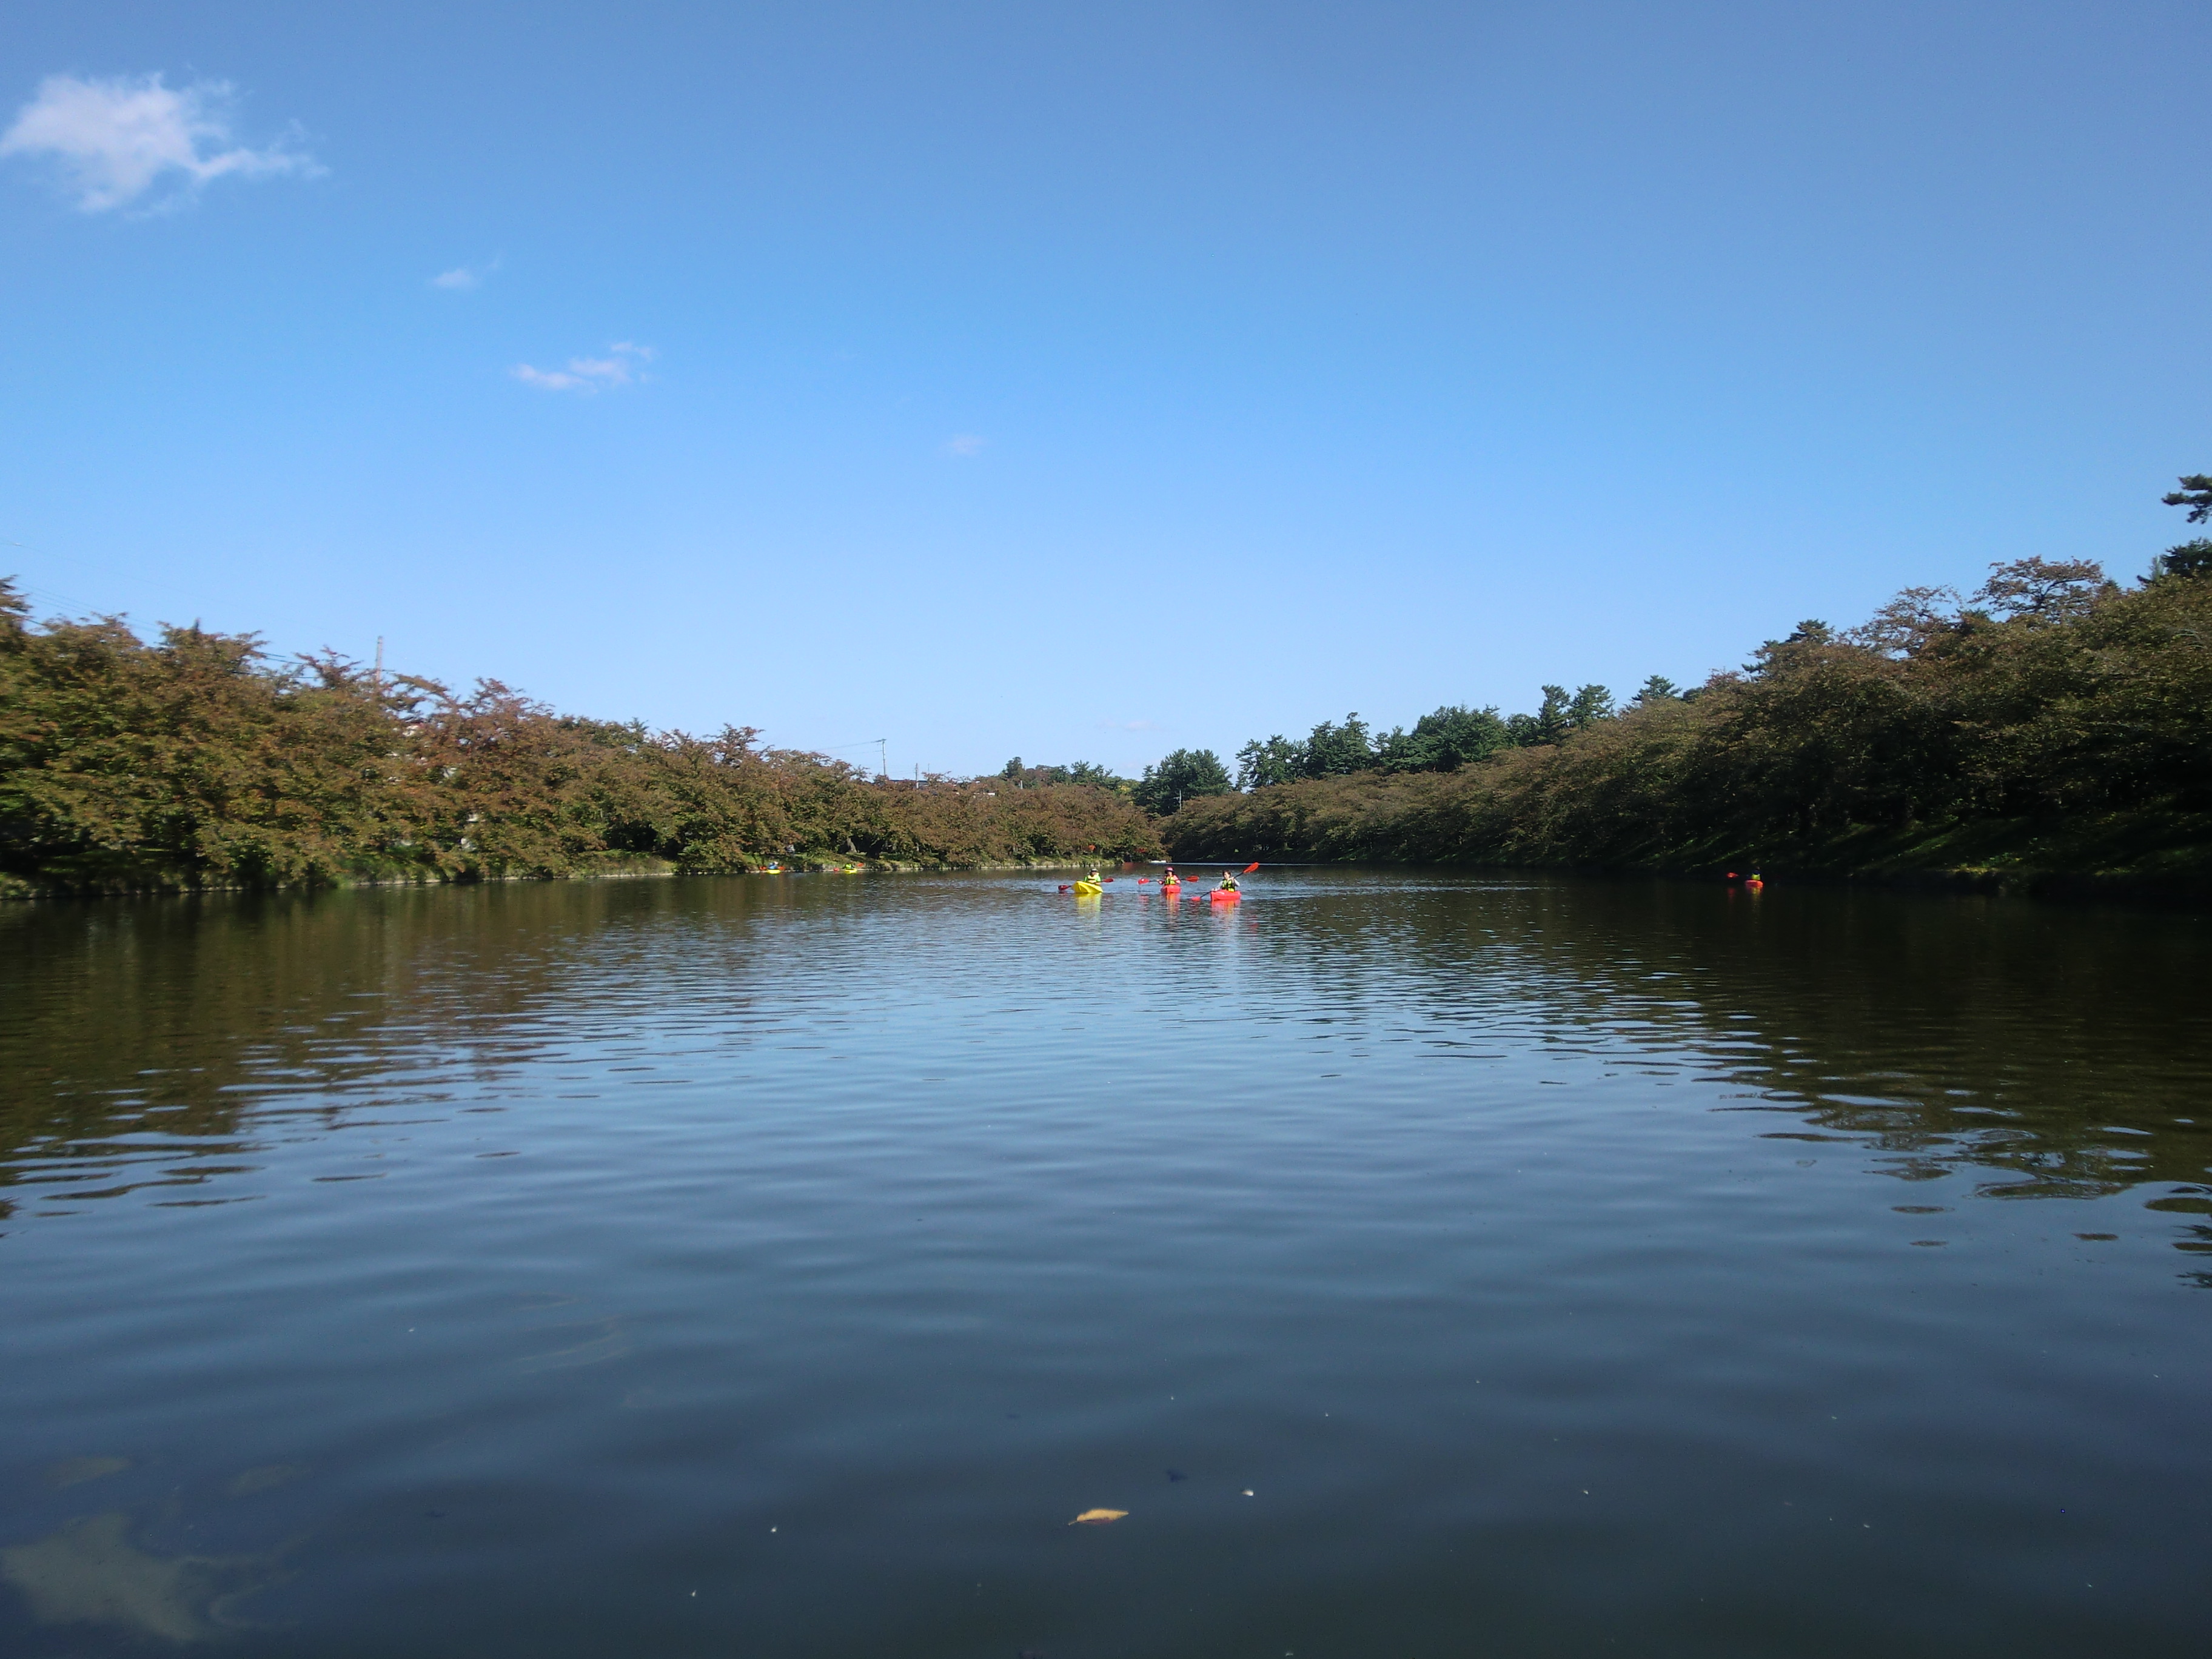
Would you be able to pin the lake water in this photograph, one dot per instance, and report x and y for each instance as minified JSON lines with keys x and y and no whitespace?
{"x":1427,"y":1264}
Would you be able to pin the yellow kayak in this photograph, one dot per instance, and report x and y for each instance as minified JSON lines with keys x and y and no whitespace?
{"x":1088,"y":888}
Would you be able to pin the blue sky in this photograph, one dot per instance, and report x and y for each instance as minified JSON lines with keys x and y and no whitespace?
{"x":1077,"y":382}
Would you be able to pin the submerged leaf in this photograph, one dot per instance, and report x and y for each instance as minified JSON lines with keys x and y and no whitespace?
{"x":1097,"y":1517}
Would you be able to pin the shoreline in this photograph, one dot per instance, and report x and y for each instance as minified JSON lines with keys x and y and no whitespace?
{"x":2190,"y":889}
{"x":16,"y":890}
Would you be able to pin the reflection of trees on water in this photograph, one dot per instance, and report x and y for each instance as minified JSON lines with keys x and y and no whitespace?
{"x":2041,"y":1050}
{"x":159,"y":1043}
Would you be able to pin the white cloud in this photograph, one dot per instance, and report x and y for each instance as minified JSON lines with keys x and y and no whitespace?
{"x":965,"y":444}
{"x":552,"y":379}
{"x":591,"y":374}
{"x":114,"y":140}
{"x":461,"y":278}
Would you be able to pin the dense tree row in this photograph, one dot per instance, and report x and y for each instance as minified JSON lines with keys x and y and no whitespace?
{"x":2051,"y":694}
{"x":196,"y":760}
{"x":1456,"y":736}
{"x":1023,"y":776}
{"x":1442,"y":741}
{"x":1451,"y":737}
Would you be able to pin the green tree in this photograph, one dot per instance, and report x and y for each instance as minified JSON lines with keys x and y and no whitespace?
{"x":1657,"y":689}
{"x":1589,"y":704}
{"x":2189,"y":559}
{"x":1277,"y":760}
{"x":1183,"y":776}
{"x":1446,"y":738}
{"x":1548,"y":724}
{"x":1078,"y":772}
{"x":1909,"y":623}
{"x":1335,"y":751}
{"x":2050,"y":589}
{"x":2196,"y":494}
{"x":1083,"y":772}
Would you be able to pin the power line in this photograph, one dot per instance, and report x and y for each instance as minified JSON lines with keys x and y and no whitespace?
{"x":53,"y":595}
{"x":881,"y":745}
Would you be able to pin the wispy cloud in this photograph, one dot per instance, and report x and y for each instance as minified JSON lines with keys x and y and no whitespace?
{"x":965,"y":444}
{"x":115,"y":140}
{"x":461,"y":278}
{"x":623,"y":366}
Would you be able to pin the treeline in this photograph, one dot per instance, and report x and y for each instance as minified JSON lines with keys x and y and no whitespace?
{"x":1449,"y":737}
{"x":1452,"y":737}
{"x":1023,"y":776}
{"x":198,"y":760}
{"x":2051,"y":706}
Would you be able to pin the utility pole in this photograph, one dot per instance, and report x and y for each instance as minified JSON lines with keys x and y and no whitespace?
{"x":882,"y":758}
{"x":379,"y":665}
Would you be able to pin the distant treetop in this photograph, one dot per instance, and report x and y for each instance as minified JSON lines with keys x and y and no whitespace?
{"x":2196,"y":494}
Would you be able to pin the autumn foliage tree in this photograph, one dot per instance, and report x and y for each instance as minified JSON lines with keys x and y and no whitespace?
{"x":198,"y":760}
{"x":2050,"y":695}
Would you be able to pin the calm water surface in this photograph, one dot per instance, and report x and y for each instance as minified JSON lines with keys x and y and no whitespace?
{"x":1429,"y":1266}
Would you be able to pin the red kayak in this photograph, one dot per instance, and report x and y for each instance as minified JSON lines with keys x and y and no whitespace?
{"x":1226,"y":895}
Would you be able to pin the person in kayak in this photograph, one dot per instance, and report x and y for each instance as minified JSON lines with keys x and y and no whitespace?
{"x":1228,"y":883}
{"x":1169,"y":878}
